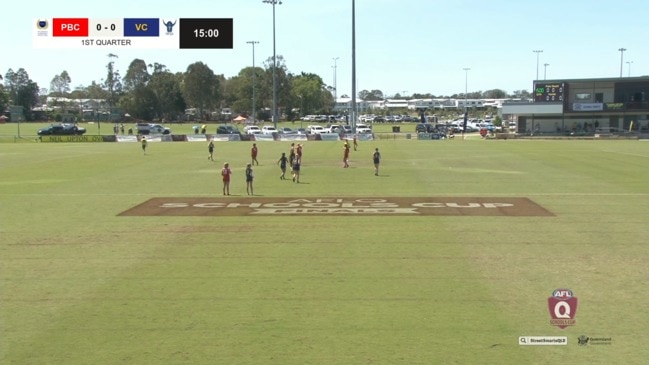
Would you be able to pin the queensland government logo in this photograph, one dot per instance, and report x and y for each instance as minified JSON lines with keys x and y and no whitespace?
{"x":563,"y":308}
{"x":585,"y":340}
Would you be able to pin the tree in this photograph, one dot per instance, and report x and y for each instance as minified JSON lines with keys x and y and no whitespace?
{"x":283,"y":84}
{"x":521,"y":94}
{"x":371,"y":95}
{"x":22,"y":90}
{"x":112,"y":83}
{"x":4,"y":98}
{"x":494,"y":94}
{"x":140,"y":103}
{"x":201,"y":87}
{"x":169,"y":101}
{"x":60,"y":84}
{"x":137,"y":75}
{"x":310,"y":92}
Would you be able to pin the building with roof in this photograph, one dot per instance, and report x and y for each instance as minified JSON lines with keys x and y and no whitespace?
{"x":584,"y":107}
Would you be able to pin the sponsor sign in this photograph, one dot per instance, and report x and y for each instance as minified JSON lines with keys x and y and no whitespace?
{"x":587,"y":107}
{"x":563,"y":308}
{"x":243,"y":206}
{"x":88,"y":138}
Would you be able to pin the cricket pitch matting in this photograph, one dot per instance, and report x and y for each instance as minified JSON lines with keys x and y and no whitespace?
{"x":409,"y":206}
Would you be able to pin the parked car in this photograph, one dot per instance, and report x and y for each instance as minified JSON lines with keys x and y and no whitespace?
{"x":64,"y":129}
{"x":424,"y":128}
{"x":150,"y":128}
{"x":363,"y":128}
{"x":316,"y":129}
{"x":252,"y":129}
{"x":335,"y":128}
{"x":286,"y":130}
{"x":227,"y":129}
{"x":268,"y":129}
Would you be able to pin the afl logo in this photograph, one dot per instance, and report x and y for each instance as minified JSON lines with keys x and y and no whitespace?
{"x":42,"y":24}
{"x":563,"y":307}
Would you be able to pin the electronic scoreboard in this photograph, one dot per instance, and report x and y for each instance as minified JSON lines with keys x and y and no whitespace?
{"x":549,"y":92}
{"x":134,"y":33}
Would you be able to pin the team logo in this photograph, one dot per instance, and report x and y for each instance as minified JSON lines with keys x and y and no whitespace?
{"x":563,"y":307}
{"x":170,"y":27}
{"x":41,"y":27}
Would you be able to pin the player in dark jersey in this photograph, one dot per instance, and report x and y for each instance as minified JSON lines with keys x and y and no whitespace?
{"x":282,"y":165}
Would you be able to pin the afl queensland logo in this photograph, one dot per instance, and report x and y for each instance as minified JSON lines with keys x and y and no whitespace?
{"x":563,"y":308}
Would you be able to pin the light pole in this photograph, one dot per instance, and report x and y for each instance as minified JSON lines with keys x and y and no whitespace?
{"x":254,"y":111}
{"x":301,"y":110}
{"x":274,"y":2}
{"x":545,"y":70}
{"x":629,"y":63}
{"x":538,"y":52}
{"x":353,"y":66}
{"x":621,"y":59}
{"x":335,"y":66}
{"x":466,"y":86}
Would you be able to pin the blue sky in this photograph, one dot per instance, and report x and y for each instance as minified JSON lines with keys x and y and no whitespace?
{"x":407,"y":46}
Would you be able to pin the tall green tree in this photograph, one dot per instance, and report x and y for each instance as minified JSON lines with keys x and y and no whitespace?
{"x":112,"y":83}
{"x":22,"y":90}
{"x":201,"y":88}
{"x":283,"y":84}
{"x":166,"y":87}
{"x":60,"y":84}
{"x":137,"y":75}
{"x":4,"y":97}
{"x":311,"y":94}
{"x":140,"y":103}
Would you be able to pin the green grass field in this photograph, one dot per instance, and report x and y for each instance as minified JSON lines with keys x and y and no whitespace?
{"x":81,"y":285}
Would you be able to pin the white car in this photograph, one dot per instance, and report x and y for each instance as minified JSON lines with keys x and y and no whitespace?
{"x":316,"y":129}
{"x":252,"y":129}
{"x":268,"y":129}
{"x":363,"y":129}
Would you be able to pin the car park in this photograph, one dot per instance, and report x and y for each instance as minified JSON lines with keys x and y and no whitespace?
{"x":286,"y":130}
{"x":63,"y":129}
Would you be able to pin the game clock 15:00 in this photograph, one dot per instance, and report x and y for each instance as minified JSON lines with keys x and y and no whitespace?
{"x":201,"y":33}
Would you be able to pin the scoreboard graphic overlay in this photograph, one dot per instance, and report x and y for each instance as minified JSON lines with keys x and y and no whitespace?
{"x":133,"y":33}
